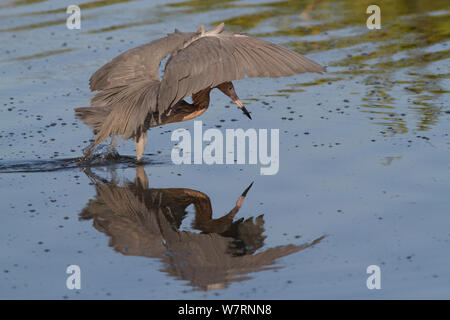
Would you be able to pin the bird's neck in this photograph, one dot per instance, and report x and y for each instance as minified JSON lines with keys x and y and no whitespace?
{"x":201,"y":98}
{"x":183,"y":111}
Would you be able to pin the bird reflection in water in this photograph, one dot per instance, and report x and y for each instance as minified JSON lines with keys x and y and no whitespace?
{"x":143,"y":221}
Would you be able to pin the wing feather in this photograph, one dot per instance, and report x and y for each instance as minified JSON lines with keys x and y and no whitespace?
{"x":137,"y":64}
{"x":214,"y":59}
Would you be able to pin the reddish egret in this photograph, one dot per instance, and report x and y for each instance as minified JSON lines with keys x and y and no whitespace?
{"x":132,"y":98}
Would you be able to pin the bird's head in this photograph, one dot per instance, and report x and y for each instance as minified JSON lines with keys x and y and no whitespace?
{"x":228,"y":89}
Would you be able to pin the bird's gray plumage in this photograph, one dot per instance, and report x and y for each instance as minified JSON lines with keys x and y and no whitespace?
{"x":128,"y":86}
{"x":212,"y":60}
{"x":132,"y":98}
{"x":138,"y":64}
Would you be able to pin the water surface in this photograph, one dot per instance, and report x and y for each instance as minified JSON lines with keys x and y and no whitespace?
{"x":364,"y":159}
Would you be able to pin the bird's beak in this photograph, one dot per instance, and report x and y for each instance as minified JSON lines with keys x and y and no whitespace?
{"x":241,"y":106}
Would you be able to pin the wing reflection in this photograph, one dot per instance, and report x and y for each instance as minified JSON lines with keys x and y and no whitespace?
{"x":143,"y":221}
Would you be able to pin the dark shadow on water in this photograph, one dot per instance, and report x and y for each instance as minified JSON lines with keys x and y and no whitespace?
{"x":144,"y":221}
{"x":99,"y":160}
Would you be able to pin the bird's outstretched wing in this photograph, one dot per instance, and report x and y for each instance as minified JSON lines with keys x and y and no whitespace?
{"x":217,"y":58}
{"x":128,"y":86}
{"x":137,"y":64}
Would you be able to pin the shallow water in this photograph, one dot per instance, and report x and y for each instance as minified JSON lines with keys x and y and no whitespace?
{"x":364,"y":176}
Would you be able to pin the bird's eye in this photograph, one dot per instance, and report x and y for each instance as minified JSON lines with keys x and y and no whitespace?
{"x":230,"y":88}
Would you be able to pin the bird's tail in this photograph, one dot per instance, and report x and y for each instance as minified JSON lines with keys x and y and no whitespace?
{"x":120,"y":111}
{"x":94,"y":117}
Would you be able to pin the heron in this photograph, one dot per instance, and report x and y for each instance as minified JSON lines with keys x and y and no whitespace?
{"x":132,"y":98}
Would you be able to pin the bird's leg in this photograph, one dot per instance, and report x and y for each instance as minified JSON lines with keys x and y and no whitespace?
{"x":86,"y":153}
{"x":141,"y":177}
{"x":140,"y":142}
